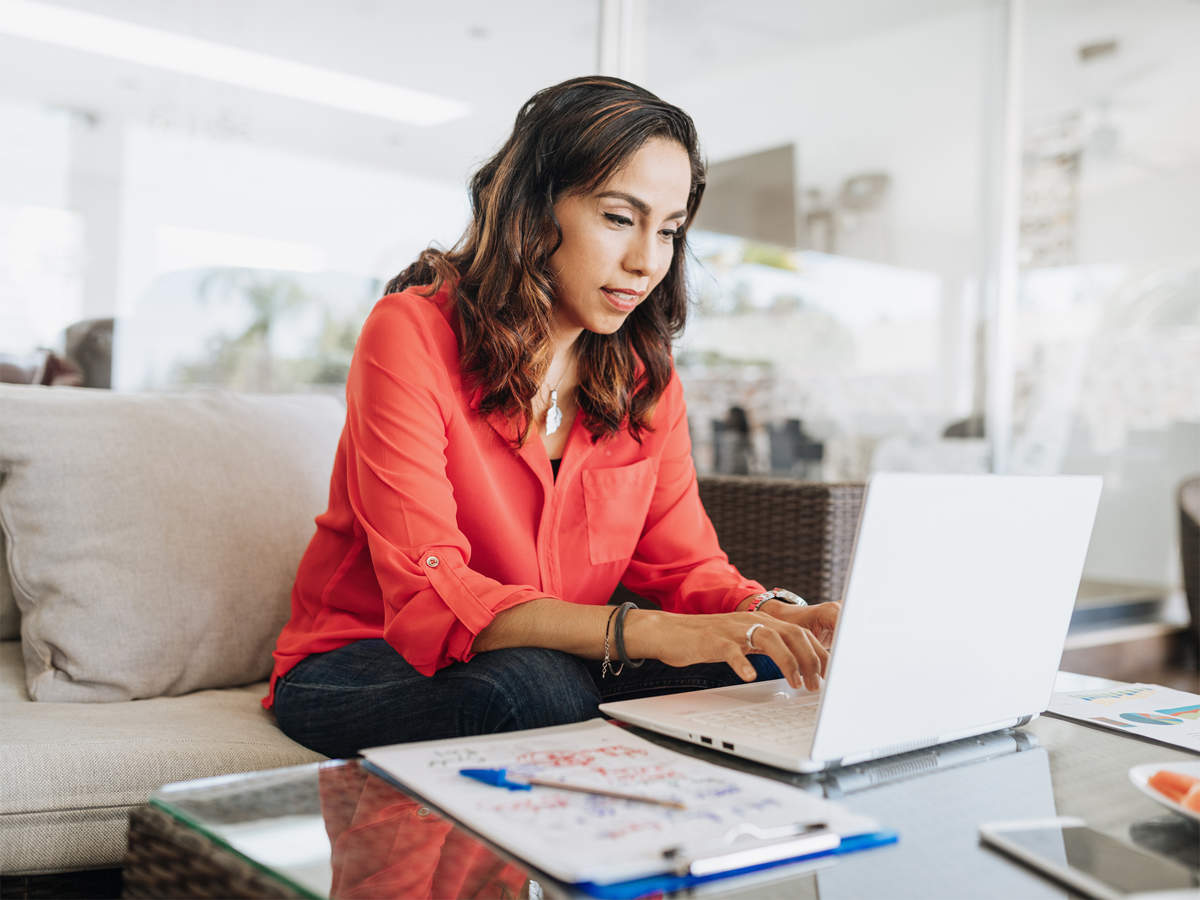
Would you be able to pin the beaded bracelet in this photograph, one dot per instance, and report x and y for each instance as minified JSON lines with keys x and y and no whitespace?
{"x":619,"y":636}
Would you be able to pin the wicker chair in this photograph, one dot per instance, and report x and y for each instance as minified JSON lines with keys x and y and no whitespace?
{"x":784,"y":533}
{"x":1189,"y":552}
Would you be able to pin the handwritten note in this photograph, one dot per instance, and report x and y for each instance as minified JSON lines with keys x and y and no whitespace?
{"x":581,"y":837}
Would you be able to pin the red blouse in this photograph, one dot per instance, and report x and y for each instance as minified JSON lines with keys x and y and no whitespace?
{"x":435,"y":523}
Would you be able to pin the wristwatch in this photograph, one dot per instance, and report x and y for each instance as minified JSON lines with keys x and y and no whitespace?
{"x":783,"y":596}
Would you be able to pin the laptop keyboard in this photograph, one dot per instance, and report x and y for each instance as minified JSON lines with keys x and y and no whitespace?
{"x":767,"y":722}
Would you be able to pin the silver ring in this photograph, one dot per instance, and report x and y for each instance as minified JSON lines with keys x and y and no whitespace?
{"x":750,"y":635}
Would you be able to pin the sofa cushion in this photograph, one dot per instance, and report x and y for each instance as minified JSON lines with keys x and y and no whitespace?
{"x":71,"y":772}
{"x":153,"y":539}
{"x":10,"y":616}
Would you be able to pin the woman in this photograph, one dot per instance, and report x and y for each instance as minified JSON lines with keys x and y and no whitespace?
{"x":515,"y":445}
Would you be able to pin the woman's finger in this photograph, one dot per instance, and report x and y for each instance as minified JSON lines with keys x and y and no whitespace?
{"x":811,"y":658}
{"x":827,"y":617}
{"x":819,"y":648}
{"x":809,"y":648}
{"x":767,"y":640}
{"x":740,"y":663}
{"x":821,"y":618}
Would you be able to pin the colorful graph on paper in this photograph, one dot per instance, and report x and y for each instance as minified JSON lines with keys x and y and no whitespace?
{"x":582,"y":837}
{"x":1143,"y":718}
{"x":1182,"y":712}
{"x":1156,"y":713}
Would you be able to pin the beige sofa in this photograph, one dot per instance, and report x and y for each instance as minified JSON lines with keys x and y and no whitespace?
{"x":147,"y":548}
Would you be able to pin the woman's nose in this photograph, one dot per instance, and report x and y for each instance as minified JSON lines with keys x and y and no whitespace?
{"x":639,"y":254}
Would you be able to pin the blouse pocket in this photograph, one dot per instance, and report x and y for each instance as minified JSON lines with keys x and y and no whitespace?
{"x":616,"y":501}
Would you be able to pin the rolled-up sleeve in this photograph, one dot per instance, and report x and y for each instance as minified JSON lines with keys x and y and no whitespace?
{"x":397,"y":415}
{"x":678,"y":561}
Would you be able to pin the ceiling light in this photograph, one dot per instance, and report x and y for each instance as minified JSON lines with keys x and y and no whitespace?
{"x":217,"y":62}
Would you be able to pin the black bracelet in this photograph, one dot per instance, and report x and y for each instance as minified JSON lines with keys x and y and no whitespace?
{"x":619,"y":636}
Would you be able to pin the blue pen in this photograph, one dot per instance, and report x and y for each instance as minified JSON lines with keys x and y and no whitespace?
{"x":499,"y":778}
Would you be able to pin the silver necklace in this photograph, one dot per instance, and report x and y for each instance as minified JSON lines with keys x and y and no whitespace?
{"x":554,"y":416}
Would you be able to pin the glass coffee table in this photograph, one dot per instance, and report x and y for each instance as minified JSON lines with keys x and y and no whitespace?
{"x":335,"y":830}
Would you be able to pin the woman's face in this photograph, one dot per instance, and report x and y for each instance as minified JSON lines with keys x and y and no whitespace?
{"x":617,"y":241}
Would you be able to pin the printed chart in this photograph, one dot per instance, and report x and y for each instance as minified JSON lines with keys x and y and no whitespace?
{"x":1147,"y":710}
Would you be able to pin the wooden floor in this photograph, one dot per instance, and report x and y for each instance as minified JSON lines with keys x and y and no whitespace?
{"x":1169,"y":660}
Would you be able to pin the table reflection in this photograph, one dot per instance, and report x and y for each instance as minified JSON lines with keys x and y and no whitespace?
{"x":938,"y":817}
{"x":385,"y":844}
{"x":1171,"y":835}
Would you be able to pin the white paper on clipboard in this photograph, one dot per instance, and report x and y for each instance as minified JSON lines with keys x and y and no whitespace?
{"x":580,"y":837}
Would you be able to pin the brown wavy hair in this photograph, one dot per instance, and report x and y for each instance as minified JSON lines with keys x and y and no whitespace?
{"x":569,"y":138}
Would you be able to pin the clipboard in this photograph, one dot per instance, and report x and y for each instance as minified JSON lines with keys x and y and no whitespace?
{"x":733,"y":822}
{"x":627,"y":890}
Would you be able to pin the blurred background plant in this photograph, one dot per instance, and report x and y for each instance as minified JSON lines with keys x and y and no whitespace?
{"x":250,"y":330}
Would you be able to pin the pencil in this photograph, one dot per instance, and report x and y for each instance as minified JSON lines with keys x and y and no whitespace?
{"x":499,"y":778}
{"x":603,"y":792}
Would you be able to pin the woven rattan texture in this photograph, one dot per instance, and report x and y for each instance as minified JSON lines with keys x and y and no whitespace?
{"x":782,"y":533}
{"x":95,"y":884}
{"x":168,"y":859}
{"x":266,"y":795}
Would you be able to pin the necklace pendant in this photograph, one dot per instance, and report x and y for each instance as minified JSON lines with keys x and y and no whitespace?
{"x":553,"y":415}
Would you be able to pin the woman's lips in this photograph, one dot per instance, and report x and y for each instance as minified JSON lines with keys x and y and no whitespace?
{"x":624,"y":302}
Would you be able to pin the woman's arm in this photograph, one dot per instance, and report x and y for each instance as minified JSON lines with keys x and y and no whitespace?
{"x":676,"y":639}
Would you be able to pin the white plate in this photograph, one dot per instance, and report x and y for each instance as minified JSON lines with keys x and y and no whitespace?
{"x":1140,"y":776}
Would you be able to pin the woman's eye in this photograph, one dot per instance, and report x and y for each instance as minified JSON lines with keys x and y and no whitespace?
{"x":617,"y":219}
{"x":671,"y":233}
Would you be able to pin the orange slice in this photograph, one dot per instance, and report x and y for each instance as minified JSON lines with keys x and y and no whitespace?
{"x":1175,"y":786}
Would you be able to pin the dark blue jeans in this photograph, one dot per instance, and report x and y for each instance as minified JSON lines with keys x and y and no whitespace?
{"x":366,"y":695}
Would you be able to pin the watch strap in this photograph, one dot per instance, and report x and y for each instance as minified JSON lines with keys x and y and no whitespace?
{"x":780,"y":594}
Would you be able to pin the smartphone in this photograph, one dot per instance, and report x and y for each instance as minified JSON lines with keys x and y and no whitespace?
{"x":1090,"y":861}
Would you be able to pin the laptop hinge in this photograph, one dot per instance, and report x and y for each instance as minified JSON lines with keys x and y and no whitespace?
{"x":893,"y":750}
{"x":908,"y":747}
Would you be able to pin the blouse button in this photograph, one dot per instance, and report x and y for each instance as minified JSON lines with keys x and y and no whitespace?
{"x":432,"y":562}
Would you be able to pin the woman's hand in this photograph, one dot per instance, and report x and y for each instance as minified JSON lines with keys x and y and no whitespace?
{"x":821,"y":619}
{"x":683,"y":639}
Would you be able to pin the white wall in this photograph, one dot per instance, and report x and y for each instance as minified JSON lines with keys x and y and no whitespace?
{"x":39,"y":238}
{"x":356,"y":219}
{"x":196,"y":202}
{"x":907,"y":102}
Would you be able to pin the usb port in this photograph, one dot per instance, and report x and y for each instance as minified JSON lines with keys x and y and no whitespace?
{"x":705,"y":740}
{"x":726,"y":745}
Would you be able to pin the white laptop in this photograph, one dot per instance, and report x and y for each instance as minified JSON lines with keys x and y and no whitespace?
{"x":953,"y":621}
